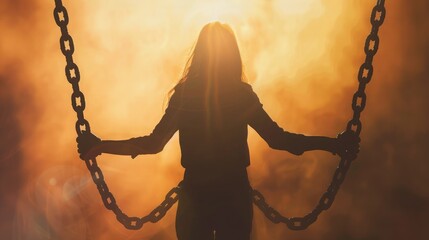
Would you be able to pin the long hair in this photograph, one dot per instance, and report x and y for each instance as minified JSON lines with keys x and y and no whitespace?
{"x":215,"y":63}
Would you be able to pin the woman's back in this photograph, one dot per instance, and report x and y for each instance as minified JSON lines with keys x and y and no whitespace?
{"x":213,"y":127}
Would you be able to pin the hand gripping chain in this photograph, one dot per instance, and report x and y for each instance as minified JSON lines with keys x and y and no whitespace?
{"x":354,"y":127}
{"x":82,"y":127}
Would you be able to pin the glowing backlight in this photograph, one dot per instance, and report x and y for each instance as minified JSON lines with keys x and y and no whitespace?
{"x":298,"y":56}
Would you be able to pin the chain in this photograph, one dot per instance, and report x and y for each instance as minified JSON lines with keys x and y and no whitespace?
{"x":354,"y":127}
{"x":82,"y":127}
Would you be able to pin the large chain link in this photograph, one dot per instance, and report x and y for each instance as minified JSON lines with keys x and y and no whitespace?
{"x":83,"y":127}
{"x":354,"y":126}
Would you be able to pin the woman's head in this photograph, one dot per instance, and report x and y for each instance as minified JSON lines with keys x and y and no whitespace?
{"x":216,"y":59}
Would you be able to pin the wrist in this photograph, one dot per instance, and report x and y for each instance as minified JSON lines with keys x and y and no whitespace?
{"x":334,"y":146}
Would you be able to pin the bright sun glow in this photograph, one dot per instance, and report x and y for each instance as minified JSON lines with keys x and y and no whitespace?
{"x":297,"y":56}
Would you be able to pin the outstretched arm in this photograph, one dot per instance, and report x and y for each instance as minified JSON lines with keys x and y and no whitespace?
{"x":294,"y":143}
{"x":90,"y":146}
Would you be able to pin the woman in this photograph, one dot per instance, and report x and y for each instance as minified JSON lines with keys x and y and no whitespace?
{"x":211,"y":107}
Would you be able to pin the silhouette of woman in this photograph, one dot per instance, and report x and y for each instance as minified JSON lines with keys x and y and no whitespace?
{"x":211,"y":107}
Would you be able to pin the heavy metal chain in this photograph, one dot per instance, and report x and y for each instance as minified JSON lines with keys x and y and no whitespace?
{"x":354,"y":126}
{"x":82,"y":127}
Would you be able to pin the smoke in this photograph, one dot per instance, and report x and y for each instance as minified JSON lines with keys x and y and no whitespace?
{"x":301,"y":57}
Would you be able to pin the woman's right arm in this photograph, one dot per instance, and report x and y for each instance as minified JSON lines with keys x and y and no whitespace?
{"x":90,"y":146}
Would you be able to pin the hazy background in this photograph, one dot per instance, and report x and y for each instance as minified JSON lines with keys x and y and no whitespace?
{"x":301,"y":57}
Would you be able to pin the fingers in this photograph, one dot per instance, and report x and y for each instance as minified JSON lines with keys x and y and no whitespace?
{"x":353,"y":147}
{"x":85,"y":143}
{"x":82,"y":146}
{"x":349,"y":144}
{"x":352,"y":151}
{"x":86,"y":156}
{"x":91,"y":154}
{"x":87,"y":138}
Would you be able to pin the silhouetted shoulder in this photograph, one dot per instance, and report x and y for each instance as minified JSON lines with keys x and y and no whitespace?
{"x":175,"y":100}
{"x":249,"y":95}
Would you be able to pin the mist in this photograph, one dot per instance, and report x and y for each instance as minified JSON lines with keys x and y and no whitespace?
{"x":302,"y":59}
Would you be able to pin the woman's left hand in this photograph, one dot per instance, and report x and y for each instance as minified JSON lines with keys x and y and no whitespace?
{"x":347,"y":145}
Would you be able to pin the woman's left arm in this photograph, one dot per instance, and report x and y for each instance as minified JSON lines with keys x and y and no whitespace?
{"x":328,"y":144}
{"x":346,"y":144}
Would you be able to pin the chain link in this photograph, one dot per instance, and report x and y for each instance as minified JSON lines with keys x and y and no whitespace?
{"x":354,"y":127}
{"x":82,"y":127}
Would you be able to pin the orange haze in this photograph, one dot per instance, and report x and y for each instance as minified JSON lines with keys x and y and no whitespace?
{"x":301,"y":57}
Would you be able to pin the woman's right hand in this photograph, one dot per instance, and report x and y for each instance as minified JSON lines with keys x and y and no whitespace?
{"x":88,"y":146}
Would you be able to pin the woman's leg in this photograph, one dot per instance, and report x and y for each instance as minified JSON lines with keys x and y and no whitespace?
{"x":193,"y":221}
{"x":234,"y":218}
{"x":224,"y":206}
